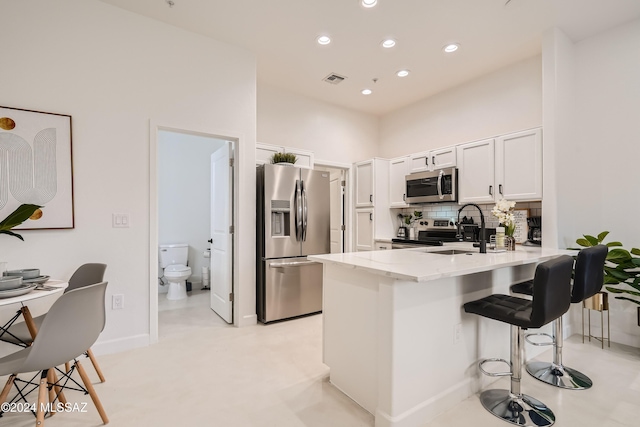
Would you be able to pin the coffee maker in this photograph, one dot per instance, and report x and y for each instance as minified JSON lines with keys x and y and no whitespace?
{"x":534,"y":235}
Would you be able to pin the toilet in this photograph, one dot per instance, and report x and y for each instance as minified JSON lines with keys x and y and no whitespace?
{"x":173,"y":260}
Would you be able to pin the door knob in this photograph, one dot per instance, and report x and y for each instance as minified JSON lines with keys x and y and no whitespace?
{"x":210,"y":240}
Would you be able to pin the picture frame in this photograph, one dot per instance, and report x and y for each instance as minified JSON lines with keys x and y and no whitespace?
{"x":522,"y":228}
{"x":36,"y":166}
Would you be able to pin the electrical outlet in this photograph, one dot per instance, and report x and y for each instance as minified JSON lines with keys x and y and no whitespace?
{"x":117,"y":302}
{"x":457,"y":333}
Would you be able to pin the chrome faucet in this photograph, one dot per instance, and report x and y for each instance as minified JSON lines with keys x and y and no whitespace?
{"x":483,"y":239}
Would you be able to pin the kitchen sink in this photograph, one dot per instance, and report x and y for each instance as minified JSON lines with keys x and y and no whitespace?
{"x":452,"y":252}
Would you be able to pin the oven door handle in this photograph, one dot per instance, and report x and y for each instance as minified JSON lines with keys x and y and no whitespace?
{"x":290,"y":264}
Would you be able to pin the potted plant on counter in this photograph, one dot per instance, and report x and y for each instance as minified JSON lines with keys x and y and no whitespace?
{"x":621,"y":269}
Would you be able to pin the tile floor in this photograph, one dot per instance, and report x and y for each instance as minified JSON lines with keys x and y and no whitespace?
{"x":203,"y":372}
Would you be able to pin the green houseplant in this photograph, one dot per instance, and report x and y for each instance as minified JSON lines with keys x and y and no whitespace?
{"x":621,"y":269}
{"x":17,"y":217}
{"x":283,"y":158}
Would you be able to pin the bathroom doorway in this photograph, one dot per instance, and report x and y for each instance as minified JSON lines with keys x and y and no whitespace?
{"x":185,"y":213}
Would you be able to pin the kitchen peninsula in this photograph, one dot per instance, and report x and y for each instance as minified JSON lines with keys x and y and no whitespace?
{"x":395,"y":336}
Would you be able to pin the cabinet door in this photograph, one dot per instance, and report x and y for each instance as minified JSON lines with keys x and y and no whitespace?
{"x":476,"y":165}
{"x":443,"y":158}
{"x":364,"y":229}
{"x":364,"y":184}
{"x":304,"y":158}
{"x":398,"y":169}
{"x":265,"y":151}
{"x":519,"y":165}
{"x":419,"y":162}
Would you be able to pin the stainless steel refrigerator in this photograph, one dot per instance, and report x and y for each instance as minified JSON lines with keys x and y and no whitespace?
{"x":292,"y":222}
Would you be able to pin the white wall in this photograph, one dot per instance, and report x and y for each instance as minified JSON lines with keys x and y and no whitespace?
{"x":597,"y":171}
{"x":184,"y":194}
{"x":504,"y":101}
{"x":113,"y":72}
{"x":333,"y":133}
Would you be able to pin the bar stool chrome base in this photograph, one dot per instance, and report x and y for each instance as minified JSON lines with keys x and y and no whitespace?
{"x":559,"y":375}
{"x":521,"y":410}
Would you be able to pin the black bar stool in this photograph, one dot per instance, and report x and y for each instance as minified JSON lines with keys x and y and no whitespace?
{"x":551,"y":299}
{"x":588,"y":280}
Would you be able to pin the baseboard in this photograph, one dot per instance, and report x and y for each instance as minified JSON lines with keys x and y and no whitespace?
{"x":429,"y":409}
{"x":121,"y":344}
{"x":251,"y":319}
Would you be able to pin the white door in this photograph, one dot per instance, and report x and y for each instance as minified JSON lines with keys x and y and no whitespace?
{"x":336,"y":199}
{"x":221,"y":233}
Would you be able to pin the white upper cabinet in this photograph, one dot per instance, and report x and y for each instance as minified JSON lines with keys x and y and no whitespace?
{"x":443,"y":158}
{"x":304,"y":158}
{"x":508,"y":167}
{"x":419,"y":162}
{"x":265,"y":151}
{"x":432,"y":160}
{"x":398,"y":169}
{"x":364,"y":184}
{"x":519,"y":165}
{"x":476,"y":166}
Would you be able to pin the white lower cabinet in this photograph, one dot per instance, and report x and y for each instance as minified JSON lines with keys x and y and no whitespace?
{"x":382,"y":246}
{"x":364,"y":229}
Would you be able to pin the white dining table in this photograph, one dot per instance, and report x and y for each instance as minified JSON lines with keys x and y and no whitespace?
{"x":53,"y":289}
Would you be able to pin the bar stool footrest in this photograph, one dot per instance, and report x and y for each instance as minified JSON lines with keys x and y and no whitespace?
{"x":495,"y":374}
{"x":532,"y":334}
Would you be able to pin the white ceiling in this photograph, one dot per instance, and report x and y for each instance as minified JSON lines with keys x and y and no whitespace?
{"x":282,"y":34}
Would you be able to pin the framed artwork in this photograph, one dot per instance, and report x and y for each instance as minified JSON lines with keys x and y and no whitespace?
{"x":522,"y":228}
{"x":36,"y":166}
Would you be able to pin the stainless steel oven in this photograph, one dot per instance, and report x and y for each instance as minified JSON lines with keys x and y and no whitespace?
{"x":434,"y":186}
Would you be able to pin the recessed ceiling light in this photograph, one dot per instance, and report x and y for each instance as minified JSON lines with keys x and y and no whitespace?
{"x":324,"y":40}
{"x":402,"y":73}
{"x":368,"y":3}
{"x":451,"y":47}
{"x":366,"y":91}
{"x":388,"y":43}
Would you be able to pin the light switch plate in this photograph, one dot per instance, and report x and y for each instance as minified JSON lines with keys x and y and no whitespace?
{"x":120,"y":220}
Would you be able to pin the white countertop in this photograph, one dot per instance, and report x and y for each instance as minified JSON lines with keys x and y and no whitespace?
{"x":418,"y":264}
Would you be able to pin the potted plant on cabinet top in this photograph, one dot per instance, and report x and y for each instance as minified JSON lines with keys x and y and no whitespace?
{"x":621,"y":269}
{"x":285,"y":158}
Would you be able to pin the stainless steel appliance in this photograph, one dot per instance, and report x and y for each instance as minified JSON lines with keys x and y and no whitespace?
{"x":436,"y":233}
{"x":292,"y":222}
{"x":534,"y":235}
{"x":435,"y":186}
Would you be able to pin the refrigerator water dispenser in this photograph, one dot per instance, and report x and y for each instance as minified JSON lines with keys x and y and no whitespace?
{"x":280,"y":212}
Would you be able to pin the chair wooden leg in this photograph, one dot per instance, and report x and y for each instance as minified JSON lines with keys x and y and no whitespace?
{"x":58,"y":390}
{"x":92,"y":392}
{"x":52,"y":393}
{"x":28,"y":320}
{"x":42,"y":400}
{"x":67,"y":367}
{"x":94,"y":362}
{"x":6,"y":389}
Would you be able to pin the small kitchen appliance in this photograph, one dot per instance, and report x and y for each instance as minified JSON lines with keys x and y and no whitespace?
{"x":534,"y":235}
{"x":434,"y":186}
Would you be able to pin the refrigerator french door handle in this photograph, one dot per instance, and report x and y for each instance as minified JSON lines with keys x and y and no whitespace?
{"x":298,"y":207}
{"x":440,"y":184}
{"x":305,"y":212}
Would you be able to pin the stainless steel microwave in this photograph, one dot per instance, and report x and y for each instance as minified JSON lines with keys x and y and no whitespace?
{"x":432,"y":187}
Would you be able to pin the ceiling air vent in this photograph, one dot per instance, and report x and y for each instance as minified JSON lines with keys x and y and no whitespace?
{"x":334,"y":78}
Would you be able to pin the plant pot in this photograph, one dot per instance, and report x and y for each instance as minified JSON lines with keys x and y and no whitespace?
{"x":599,"y":302}
{"x":510,"y":243}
